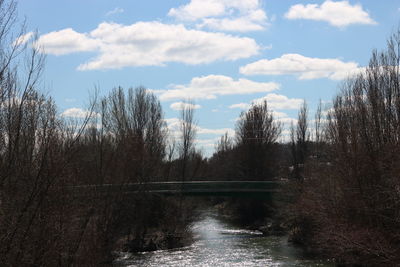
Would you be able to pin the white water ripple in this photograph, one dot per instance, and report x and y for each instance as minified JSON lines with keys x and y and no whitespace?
{"x":219,"y":244}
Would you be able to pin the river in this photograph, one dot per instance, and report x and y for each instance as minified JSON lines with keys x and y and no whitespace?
{"x":218,"y":243}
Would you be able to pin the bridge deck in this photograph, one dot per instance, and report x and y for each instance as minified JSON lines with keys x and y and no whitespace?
{"x":190,"y":187}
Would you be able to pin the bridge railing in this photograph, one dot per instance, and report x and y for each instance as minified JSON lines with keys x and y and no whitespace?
{"x":187,"y":187}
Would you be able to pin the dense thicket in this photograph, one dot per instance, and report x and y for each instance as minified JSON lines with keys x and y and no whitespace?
{"x":253,"y":154}
{"x":52,"y":210}
{"x":343,"y":175}
{"x":349,"y":206}
{"x":343,"y":169}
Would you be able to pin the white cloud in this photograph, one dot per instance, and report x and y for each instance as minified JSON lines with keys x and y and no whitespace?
{"x":287,"y":121}
{"x":148,"y":44}
{"x":183,"y":105}
{"x":305,"y":68}
{"x":223,"y":15}
{"x":279,"y":114}
{"x":207,"y":144}
{"x":198,"y":9}
{"x":283,"y":118}
{"x":23,"y":39}
{"x":219,"y":131}
{"x":67,"y":41}
{"x":77,"y":113}
{"x":174,"y":124}
{"x":240,"y":106}
{"x":285,"y":136}
{"x":116,"y":10}
{"x":239,"y":24}
{"x":339,"y":14}
{"x":211,"y":86}
{"x":275,"y":102}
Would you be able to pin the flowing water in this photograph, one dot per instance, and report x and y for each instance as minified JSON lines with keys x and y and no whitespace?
{"x":220,"y":244}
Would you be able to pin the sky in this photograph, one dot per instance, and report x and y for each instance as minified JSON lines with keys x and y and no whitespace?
{"x":221,"y":54}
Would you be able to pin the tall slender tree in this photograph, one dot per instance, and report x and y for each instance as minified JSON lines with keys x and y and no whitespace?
{"x":256,"y":134}
{"x":188,"y":134}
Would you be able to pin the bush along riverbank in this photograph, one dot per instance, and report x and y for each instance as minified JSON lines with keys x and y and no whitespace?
{"x":347,"y":207}
{"x":164,"y":225}
{"x":341,"y":167}
{"x":253,"y":214}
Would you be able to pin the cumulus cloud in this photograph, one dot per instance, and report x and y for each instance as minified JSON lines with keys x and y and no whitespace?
{"x":174,"y":124}
{"x":239,"y":24}
{"x":278,"y":115}
{"x":116,"y":10}
{"x":240,"y":106}
{"x":275,"y":102}
{"x":23,"y":39}
{"x":338,"y":14}
{"x":285,"y":136}
{"x":147,"y":44}
{"x":198,"y":9}
{"x":287,"y":121}
{"x":219,"y":131}
{"x":305,"y":68}
{"x":211,"y":86}
{"x":67,"y":41}
{"x":223,"y":15}
{"x":183,"y":105}
{"x":77,"y":113}
{"x":207,"y":144}
{"x":283,"y":118}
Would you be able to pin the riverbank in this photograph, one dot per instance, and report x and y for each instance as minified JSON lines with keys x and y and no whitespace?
{"x":217,"y":242}
{"x":156,"y":239}
{"x":166,"y":225}
{"x":271,"y":220}
{"x":253,"y":214}
{"x":228,"y":224}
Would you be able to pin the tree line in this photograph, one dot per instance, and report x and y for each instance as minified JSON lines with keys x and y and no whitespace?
{"x":51,"y":212}
{"x":341,"y":167}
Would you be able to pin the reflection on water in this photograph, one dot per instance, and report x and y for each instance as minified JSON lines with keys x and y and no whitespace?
{"x":220,"y":244}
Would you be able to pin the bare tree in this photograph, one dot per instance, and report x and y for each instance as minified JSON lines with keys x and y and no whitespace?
{"x":318,"y":124}
{"x":353,"y":200}
{"x":53,"y":208}
{"x":136,"y":120}
{"x":188,"y":134}
{"x":300,"y":141}
{"x":224,"y":144}
{"x":256,"y":133}
{"x":170,"y":155}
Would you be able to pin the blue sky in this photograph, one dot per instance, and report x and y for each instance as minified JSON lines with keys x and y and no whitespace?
{"x":223,"y":54}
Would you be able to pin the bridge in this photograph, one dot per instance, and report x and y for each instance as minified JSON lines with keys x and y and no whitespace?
{"x":263,"y":189}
